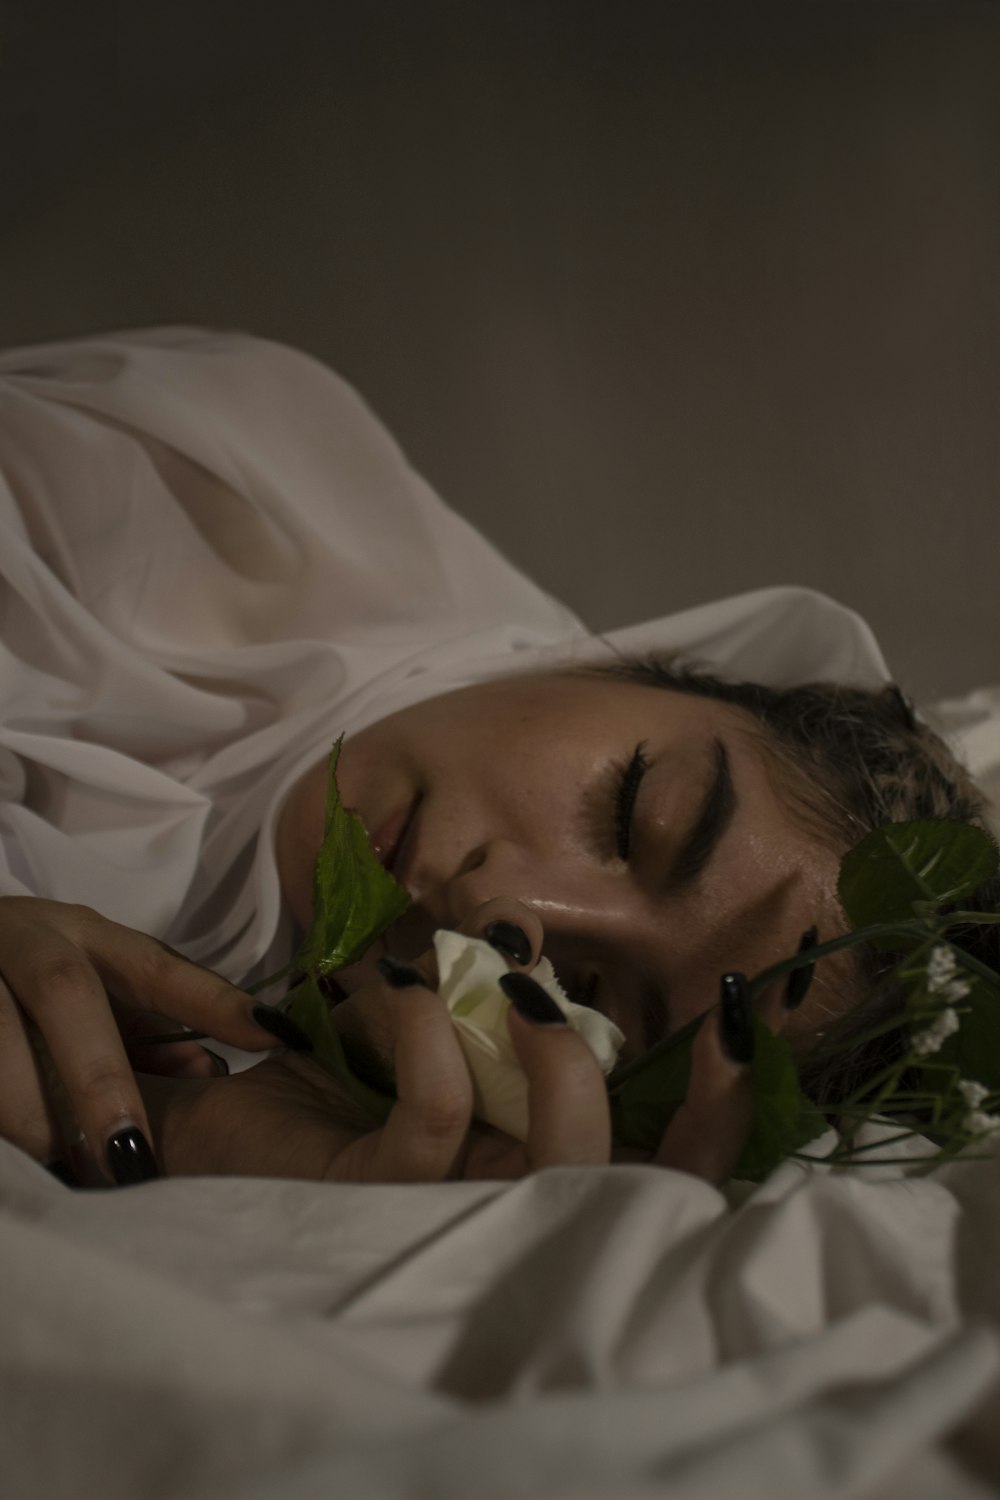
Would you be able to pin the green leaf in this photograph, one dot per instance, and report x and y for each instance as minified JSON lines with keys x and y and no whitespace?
{"x":309,"y":1008}
{"x":643,"y":1102}
{"x":933,"y":860}
{"x":355,"y":899}
{"x":785,"y":1119}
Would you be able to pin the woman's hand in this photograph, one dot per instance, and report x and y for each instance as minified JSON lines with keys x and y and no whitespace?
{"x":288,"y":1118}
{"x":74,"y":987}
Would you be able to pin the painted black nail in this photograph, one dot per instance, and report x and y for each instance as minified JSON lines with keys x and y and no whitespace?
{"x":530,"y":1000}
{"x":221,"y":1066}
{"x":400,"y":976}
{"x":281,"y":1026}
{"x":507,"y":938}
{"x":800,"y":979}
{"x":736,"y":1018}
{"x":130,"y":1157}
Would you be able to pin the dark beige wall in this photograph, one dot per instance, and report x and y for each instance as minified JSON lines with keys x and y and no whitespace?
{"x":672,"y":300}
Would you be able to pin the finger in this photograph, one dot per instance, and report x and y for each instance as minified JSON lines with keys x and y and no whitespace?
{"x":26,"y":1115}
{"x":708,"y":1133}
{"x":61,"y":993}
{"x":569,"y":1122}
{"x":135,"y":968}
{"x":425,"y":1134}
{"x":139,"y":968}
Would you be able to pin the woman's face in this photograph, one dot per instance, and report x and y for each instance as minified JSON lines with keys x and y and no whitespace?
{"x":521,"y":789}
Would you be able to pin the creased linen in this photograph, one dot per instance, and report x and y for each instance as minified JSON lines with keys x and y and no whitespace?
{"x":614,"y":1332}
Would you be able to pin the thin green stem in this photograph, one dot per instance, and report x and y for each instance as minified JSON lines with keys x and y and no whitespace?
{"x":167,"y":1038}
{"x":906,"y":1135}
{"x":262,"y":984}
{"x":891,"y":1161}
{"x":834,"y":945}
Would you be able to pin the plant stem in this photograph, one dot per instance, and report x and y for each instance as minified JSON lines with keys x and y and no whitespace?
{"x":891,"y":1161}
{"x":262,"y":984}
{"x":809,"y":955}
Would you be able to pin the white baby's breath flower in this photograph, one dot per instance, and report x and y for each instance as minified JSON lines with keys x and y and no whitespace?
{"x":930,"y":1040}
{"x":978,"y":1123}
{"x":972,"y":1092}
{"x":941,"y":978}
{"x":940,"y":968}
{"x":468,"y":974}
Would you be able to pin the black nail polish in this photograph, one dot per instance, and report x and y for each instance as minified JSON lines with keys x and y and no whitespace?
{"x":736,"y":1018}
{"x":281,"y":1026}
{"x":530,"y":1000}
{"x":507,"y":938}
{"x":400,"y":976}
{"x":221,"y":1066}
{"x":800,"y":979}
{"x":130,"y":1158}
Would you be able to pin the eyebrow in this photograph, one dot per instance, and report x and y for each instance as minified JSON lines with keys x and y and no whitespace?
{"x":716,"y":812}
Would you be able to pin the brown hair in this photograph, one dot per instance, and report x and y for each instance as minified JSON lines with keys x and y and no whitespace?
{"x":851,"y":759}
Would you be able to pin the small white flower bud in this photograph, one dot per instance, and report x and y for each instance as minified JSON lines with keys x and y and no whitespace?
{"x":940,"y":968}
{"x":930,"y":1040}
{"x":977,"y":1123}
{"x":972,"y":1092}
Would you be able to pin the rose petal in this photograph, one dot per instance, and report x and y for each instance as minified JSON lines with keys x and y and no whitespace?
{"x":469,"y":970}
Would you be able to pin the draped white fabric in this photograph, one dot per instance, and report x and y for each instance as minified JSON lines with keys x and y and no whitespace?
{"x":215,"y":560}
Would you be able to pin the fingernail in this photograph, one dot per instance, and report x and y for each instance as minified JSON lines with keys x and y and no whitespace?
{"x":507,"y":938}
{"x":281,"y":1026}
{"x":800,"y":979}
{"x":130,"y":1158}
{"x":399,"y":975}
{"x":736,"y":1018}
{"x":530,"y":1000}
{"x":221,"y":1066}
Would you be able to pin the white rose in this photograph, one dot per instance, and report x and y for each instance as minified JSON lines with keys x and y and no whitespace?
{"x":469,"y":970}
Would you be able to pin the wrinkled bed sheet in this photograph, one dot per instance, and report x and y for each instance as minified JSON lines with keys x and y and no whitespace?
{"x":616,"y":1332}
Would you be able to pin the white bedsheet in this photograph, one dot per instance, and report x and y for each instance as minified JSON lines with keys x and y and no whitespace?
{"x":617,"y":1332}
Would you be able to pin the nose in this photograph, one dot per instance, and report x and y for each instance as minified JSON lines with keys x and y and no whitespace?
{"x":577,"y":911}
{"x":479,"y":920}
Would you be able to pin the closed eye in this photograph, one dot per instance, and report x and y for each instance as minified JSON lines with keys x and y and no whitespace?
{"x":626,"y":792}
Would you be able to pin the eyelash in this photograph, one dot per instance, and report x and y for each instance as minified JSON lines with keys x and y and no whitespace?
{"x":626,"y":791}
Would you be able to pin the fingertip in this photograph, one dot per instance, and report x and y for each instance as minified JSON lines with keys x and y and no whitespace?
{"x":531,"y":1002}
{"x":280,"y":1027}
{"x":129,"y":1156}
{"x":735,"y":1020}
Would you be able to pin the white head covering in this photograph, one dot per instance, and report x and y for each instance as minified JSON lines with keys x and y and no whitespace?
{"x":215,"y":560}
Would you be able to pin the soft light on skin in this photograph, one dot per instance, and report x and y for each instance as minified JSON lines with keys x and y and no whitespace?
{"x":517,"y":780}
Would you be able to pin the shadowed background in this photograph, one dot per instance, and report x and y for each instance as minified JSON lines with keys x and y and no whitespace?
{"x":671,"y":300}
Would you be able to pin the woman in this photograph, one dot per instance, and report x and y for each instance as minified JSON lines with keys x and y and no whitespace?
{"x":215,"y":562}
